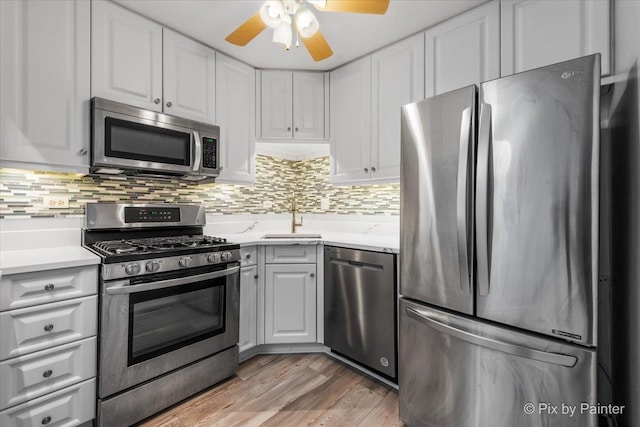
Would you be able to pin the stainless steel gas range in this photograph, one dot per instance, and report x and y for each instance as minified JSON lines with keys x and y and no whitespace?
{"x":169,"y":307}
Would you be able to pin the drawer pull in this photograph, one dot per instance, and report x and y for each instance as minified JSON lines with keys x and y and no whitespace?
{"x":48,"y":328}
{"x":248,"y":256}
{"x":255,"y":277}
{"x":313,"y":275}
{"x":47,"y":373}
{"x":49,"y":287}
{"x":46,"y":420}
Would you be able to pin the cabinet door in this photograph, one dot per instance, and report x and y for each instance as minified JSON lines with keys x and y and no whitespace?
{"x":126,"y":56}
{"x":235,"y":113}
{"x":290,"y":303}
{"x":464,"y":50}
{"x":189,"y":75}
{"x":542,"y":32}
{"x":350,"y":121}
{"x":308,"y":105}
{"x":276,"y":104}
{"x":44,"y":107}
{"x":397,"y":79}
{"x":248,"y":307}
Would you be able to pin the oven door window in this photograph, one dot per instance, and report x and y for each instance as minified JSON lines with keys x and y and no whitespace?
{"x":164,"y":320}
{"x":137,"y":141}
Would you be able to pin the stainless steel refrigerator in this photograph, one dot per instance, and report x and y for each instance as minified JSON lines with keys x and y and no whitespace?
{"x":499,"y":251}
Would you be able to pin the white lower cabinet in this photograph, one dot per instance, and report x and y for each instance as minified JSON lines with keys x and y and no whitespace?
{"x":248,"y":307}
{"x":68,"y":407}
{"x":43,"y":372}
{"x":290,"y":303}
{"x":48,"y":347}
{"x":35,"y":328}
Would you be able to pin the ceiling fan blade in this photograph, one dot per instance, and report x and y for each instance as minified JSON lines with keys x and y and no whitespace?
{"x":376,"y":7}
{"x":317,"y":46}
{"x":247,"y":31}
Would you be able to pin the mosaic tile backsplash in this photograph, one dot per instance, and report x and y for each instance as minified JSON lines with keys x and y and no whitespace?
{"x":21,"y":192}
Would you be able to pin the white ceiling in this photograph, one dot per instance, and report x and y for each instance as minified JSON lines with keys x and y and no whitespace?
{"x":350,"y":35}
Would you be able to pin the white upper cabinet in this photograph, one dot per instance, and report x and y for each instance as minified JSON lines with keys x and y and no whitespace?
{"x":464,"y":50}
{"x":397,"y":79}
{"x":235,"y":112}
{"x":542,"y":32}
{"x":276,"y":104}
{"x":189,"y":74}
{"x":126,"y":56}
{"x":137,"y":62}
{"x":308,"y":105}
{"x":350,"y":136}
{"x":45,"y":84}
{"x":292,"y":105}
{"x":366,"y":97}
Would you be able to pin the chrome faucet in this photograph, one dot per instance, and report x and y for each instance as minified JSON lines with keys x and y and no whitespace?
{"x":294,"y":223}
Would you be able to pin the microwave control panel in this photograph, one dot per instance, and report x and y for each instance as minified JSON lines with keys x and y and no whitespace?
{"x":209,"y":154}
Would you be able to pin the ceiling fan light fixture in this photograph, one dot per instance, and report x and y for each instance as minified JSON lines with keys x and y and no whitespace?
{"x":320,"y":4}
{"x":272,"y":13}
{"x":283,"y":33}
{"x":306,"y":22}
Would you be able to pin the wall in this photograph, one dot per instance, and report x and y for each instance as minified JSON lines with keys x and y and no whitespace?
{"x":624,"y":125}
{"x":21,"y":192}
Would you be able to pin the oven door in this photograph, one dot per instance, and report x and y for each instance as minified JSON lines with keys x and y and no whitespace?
{"x":153,"y":325}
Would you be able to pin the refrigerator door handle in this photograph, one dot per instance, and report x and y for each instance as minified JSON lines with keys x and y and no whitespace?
{"x":482,"y":199}
{"x":462,"y":200}
{"x":516,"y":350}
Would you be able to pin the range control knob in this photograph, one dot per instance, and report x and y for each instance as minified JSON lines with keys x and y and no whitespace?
{"x":185,"y":261}
{"x":152,"y":266}
{"x":132,"y":269}
{"x":226,"y":256}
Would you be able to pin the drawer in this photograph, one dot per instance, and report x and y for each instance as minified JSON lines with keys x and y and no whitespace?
{"x":35,"y":328}
{"x":40,"y":287}
{"x":291,"y":254}
{"x":68,"y":407}
{"x":37,"y":374}
{"x":248,"y":256}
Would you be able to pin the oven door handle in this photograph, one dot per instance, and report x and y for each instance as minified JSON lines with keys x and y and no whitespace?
{"x":122,"y":286}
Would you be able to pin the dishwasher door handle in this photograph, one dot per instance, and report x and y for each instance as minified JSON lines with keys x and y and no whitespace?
{"x":356,"y":264}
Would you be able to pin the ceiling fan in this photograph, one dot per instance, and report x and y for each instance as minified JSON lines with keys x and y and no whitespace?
{"x":287,"y":16}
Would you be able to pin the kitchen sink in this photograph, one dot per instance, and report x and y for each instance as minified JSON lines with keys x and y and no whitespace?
{"x":292,"y":236}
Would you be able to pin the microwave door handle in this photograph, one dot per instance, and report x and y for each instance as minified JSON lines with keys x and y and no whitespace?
{"x":123,"y":287}
{"x":198,"y":151}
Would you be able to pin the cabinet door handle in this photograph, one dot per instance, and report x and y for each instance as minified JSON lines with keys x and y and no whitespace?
{"x":289,"y":129}
{"x":313,"y":275}
{"x":82,"y":152}
{"x":169,"y":104}
{"x":46,"y":420}
{"x":366,"y":170}
{"x":49,"y":287}
{"x":248,"y":256}
{"x":156,"y":101}
{"x":48,"y":328}
{"x":255,"y":277}
{"x":296,"y":129}
{"x":373,"y":168}
{"x":47,"y":373}
{"x":221,"y":167}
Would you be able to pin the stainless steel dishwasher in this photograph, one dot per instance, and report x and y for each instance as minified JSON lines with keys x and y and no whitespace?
{"x":360,"y":307}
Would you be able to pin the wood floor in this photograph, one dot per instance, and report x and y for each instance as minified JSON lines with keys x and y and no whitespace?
{"x":288,"y":390}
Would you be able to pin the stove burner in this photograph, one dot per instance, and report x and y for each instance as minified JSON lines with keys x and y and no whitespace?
{"x":155,"y":244}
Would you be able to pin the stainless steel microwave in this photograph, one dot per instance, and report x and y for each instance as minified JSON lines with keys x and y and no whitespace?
{"x":132,"y":141}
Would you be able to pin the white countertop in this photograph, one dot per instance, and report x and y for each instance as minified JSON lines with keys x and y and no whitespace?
{"x":27,"y":260}
{"x":37,"y":245}
{"x":376,"y":243}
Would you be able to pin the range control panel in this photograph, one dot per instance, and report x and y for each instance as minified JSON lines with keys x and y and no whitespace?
{"x":140,"y":214}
